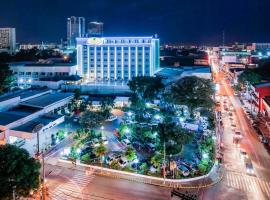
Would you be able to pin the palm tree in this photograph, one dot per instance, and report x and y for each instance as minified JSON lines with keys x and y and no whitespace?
{"x":100,"y":152}
{"x":130,"y":154}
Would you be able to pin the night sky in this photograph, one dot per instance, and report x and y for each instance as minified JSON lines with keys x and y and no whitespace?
{"x":175,"y":21}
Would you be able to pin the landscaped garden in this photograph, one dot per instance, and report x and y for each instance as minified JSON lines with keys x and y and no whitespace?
{"x":166,"y":131}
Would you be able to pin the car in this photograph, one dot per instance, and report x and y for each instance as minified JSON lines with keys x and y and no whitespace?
{"x":126,"y":142}
{"x":95,"y":143}
{"x":104,"y":140}
{"x":238,"y":134}
{"x":249,"y":166}
{"x":243,"y":153}
{"x":85,"y":150}
{"x":113,"y":156}
{"x":123,"y":162}
{"x":184,"y":170}
{"x":111,"y":118}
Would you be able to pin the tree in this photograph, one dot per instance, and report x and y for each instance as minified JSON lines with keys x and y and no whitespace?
{"x":18,"y":171}
{"x":77,"y":94}
{"x":115,"y":165}
{"x":249,"y":76}
{"x":107,"y":104}
{"x":91,"y":120}
{"x":7,"y":80}
{"x":193,"y":92}
{"x":156,"y":160}
{"x":130,"y":154}
{"x":100,"y":151}
{"x":146,"y":87}
{"x":173,"y":136}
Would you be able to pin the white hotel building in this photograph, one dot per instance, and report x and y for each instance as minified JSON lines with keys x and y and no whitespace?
{"x":117,"y":58}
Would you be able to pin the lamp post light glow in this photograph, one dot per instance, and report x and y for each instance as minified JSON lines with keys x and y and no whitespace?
{"x":129,"y":114}
{"x":136,"y":161}
{"x":205,"y":155}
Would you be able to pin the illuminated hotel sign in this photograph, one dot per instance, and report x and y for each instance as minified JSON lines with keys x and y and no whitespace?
{"x":95,"y":41}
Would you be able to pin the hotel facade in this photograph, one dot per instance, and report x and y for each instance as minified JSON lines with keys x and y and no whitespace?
{"x":117,"y":58}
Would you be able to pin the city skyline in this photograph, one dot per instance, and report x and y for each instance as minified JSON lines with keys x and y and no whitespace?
{"x":191,"y":22}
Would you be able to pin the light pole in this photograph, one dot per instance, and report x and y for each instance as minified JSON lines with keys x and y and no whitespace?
{"x":102,"y":129}
{"x":136,"y":162}
{"x":155,"y":135}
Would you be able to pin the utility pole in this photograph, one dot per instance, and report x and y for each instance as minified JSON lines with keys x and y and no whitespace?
{"x":43,"y":179}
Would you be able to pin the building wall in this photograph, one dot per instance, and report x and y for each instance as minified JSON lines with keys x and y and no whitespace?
{"x":117,"y":58}
{"x":27,"y":74}
{"x":8,"y":40}
{"x":75,"y":28}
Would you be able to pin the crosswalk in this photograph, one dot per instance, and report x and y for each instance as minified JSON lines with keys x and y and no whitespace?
{"x":247,"y":183}
{"x":72,"y":190}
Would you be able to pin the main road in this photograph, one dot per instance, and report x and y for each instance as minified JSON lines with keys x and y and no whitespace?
{"x":237,"y":184}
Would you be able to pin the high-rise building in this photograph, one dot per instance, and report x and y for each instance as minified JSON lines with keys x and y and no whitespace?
{"x":8,"y":40}
{"x":117,"y":58}
{"x":95,"y":29}
{"x":75,"y":28}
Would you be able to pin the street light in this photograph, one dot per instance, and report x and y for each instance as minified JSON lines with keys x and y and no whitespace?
{"x":136,"y":161}
{"x":129,"y":114}
{"x":102,"y":128}
{"x":205,"y":155}
{"x":155,"y":134}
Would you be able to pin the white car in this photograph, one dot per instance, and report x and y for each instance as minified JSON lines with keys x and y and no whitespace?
{"x":126,"y":142}
{"x":111,"y":118}
{"x":104,"y":140}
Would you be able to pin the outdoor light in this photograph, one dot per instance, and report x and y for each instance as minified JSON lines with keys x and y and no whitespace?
{"x":127,"y":130}
{"x":155,"y":134}
{"x":260,"y":53}
{"x":78,"y":151}
{"x":181,"y":119}
{"x":129,"y":113}
{"x":136,"y":161}
{"x":205,"y":155}
{"x":157,"y":117}
{"x":102,"y":127}
{"x":147,"y":105}
{"x":21,"y":80}
{"x":30,"y":80}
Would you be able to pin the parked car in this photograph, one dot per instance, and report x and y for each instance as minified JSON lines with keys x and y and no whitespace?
{"x":126,"y":142}
{"x":184,"y":170}
{"x":111,"y":118}
{"x":112,"y":156}
{"x":104,"y":140}
{"x":123,"y":162}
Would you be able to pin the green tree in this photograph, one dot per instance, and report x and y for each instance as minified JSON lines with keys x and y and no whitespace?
{"x":173,"y":136}
{"x":193,"y":92}
{"x":100,"y":151}
{"x":107,"y":103}
{"x":18,"y":171}
{"x":249,"y":76}
{"x":130,"y":154}
{"x":77,"y":94}
{"x":115,"y":165}
{"x":146,"y":87}
{"x":157,"y":160}
{"x":91,"y":120}
{"x":7,"y":79}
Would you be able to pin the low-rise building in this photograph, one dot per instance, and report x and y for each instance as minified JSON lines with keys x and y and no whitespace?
{"x":36,"y":73}
{"x":32,"y":112}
